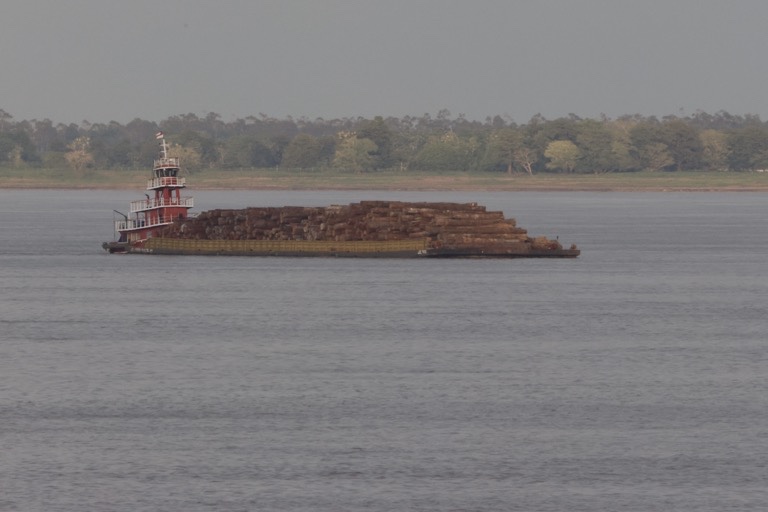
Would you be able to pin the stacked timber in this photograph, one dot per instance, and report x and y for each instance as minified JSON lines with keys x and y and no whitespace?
{"x":450,"y":226}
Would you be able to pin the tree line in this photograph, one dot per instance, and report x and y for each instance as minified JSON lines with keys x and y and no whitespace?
{"x":440,"y":143}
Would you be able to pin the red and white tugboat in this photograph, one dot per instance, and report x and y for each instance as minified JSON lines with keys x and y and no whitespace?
{"x":149,"y":216}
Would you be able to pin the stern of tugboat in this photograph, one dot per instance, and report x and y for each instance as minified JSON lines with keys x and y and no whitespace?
{"x":115,"y":247}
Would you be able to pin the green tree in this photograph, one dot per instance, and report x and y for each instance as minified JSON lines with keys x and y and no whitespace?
{"x":595,"y":142}
{"x":748,"y":147}
{"x":406,"y":144}
{"x":17,"y":148}
{"x":502,"y":146}
{"x":79,"y":156}
{"x":714,"y":149}
{"x":277,"y":145}
{"x":526,"y":157}
{"x":655,"y":156}
{"x":44,"y":136}
{"x":120,"y":154}
{"x":204,"y":146}
{"x":246,"y":151}
{"x":544,"y":132}
{"x":621,"y":144}
{"x":684,"y":145}
{"x":7,"y":145}
{"x":447,"y":152}
{"x":189,"y":157}
{"x":354,"y":154}
{"x":648,"y":148}
{"x":303,"y":152}
{"x":381,"y":135}
{"x":562,"y":155}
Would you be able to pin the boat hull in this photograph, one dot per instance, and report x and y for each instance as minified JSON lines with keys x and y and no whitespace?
{"x":116,"y":247}
{"x":348,"y":249}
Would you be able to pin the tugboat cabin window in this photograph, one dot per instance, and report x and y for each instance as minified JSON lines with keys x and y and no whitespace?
{"x":166,"y":173}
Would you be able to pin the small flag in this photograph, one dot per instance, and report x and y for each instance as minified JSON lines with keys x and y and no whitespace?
{"x":159,"y":135}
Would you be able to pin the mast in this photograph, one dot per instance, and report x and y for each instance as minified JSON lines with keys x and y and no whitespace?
{"x":163,"y":144}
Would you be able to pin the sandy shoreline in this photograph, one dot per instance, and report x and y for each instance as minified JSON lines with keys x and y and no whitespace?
{"x":419,"y":189}
{"x":669,"y":182}
{"x":413,"y":189}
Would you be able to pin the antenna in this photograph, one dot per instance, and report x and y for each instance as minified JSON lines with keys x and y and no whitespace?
{"x":164,"y":145}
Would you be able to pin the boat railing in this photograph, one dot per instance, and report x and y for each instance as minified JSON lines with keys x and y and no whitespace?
{"x":149,"y":204}
{"x":166,"y":181}
{"x":125,"y":225}
{"x":167,"y":162}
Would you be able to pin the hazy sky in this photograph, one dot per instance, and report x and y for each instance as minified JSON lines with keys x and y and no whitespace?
{"x":104,"y":60}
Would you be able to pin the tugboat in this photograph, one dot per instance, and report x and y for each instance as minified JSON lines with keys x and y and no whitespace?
{"x":149,"y":216}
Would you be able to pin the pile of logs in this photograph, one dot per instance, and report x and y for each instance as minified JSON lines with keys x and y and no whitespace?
{"x":444,"y":224}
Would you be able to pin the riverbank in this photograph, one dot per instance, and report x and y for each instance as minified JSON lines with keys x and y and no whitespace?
{"x":390,"y":180}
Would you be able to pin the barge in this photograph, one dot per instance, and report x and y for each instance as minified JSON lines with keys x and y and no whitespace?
{"x":161,"y":224}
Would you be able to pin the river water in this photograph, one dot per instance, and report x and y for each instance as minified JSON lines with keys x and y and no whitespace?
{"x":630,"y":379}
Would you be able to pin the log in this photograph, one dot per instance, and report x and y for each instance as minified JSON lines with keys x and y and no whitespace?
{"x":451,"y":224}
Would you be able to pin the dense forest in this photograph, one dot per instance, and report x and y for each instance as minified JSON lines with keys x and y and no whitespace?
{"x":698,"y":142}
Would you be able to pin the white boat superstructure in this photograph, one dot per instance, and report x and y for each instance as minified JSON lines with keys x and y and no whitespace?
{"x":163,"y":205}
